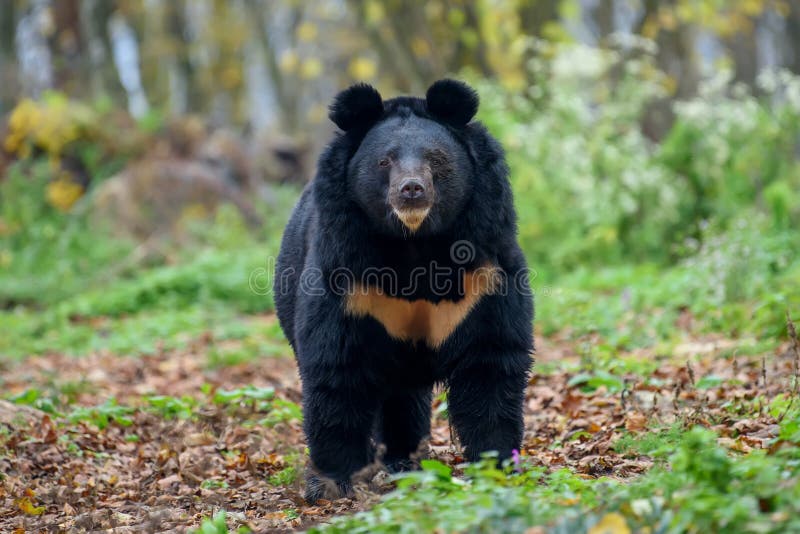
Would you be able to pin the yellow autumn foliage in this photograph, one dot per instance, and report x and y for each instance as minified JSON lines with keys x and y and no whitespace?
{"x":420,"y":47}
{"x":63,"y":192}
{"x":49,"y":124}
{"x":289,"y":61}
{"x":723,"y":17}
{"x":307,"y":31}
{"x":28,"y":508}
{"x":311,"y":68}
{"x":362,"y":68}
{"x":612,"y":523}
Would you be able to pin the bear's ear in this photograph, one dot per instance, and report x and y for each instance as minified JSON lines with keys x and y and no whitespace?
{"x":359,"y":105}
{"x":452,"y":101}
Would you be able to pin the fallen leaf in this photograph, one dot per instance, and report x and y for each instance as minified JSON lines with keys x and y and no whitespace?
{"x":28,"y":508}
{"x":612,"y":523}
{"x":635,"y":422}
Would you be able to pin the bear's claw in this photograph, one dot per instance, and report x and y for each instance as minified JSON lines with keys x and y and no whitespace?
{"x":319,"y":487}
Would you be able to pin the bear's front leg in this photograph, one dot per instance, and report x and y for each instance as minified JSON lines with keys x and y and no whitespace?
{"x":485,"y":402}
{"x":339,"y":400}
{"x":403,"y":422}
{"x":338,"y":421}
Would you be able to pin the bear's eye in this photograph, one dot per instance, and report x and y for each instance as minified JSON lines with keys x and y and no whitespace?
{"x":437,"y":159}
{"x":384,"y":162}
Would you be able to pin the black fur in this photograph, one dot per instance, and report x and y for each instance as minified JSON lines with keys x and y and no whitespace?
{"x":361,"y":386}
{"x":358,"y":106}
{"x":452,"y":101}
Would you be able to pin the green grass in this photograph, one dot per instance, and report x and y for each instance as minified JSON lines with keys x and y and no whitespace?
{"x":259,"y":403}
{"x":101,"y":415}
{"x":657,"y":442}
{"x":217,"y":525}
{"x":699,"y":488}
{"x":288,"y":475}
{"x":144,"y":332}
{"x":638,"y":305}
{"x":71,"y":286}
{"x":170,"y":407}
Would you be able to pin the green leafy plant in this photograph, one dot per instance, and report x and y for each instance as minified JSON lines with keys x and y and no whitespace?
{"x":218,"y":524}
{"x":34,"y":397}
{"x":101,"y":416}
{"x":172,"y":407}
{"x":701,"y":488}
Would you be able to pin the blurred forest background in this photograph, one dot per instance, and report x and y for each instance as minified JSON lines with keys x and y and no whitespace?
{"x":275,"y":64}
{"x":659,"y":124}
{"x":151,"y":150}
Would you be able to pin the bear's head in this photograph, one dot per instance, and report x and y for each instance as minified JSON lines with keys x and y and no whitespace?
{"x":412,"y":172}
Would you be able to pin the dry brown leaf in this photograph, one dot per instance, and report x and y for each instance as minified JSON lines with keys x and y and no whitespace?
{"x":635,"y":422}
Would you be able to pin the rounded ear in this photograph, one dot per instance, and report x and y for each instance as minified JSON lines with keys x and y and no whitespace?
{"x":452,"y":101}
{"x":358,"y":105}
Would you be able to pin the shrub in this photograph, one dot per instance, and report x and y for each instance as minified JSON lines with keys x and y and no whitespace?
{"x":592,"y":189}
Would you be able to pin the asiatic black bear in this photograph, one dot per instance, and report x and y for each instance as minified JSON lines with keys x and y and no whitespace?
{"x":400,"y":269}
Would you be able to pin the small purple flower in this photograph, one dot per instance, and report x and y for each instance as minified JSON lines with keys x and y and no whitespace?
{"x":516,"y":459}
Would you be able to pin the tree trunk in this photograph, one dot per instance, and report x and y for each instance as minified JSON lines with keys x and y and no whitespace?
{"x":535,"y":14}
{"x":793,"y":39}
{"x":406,"y":77}
{"x":34,"y":57}
{"x":743,"y":49}
{"x":67,"y":43}
{"x":603,"y":19}
{"x":481,"y":59}
{"x":184,"y":90}
{"x":95,"y":15}
{"x":676,"y":57}
{"x":8,"y":63}
{"x":285,"y":100}
{"x":125,"y":49}
{"x":405,"y":22}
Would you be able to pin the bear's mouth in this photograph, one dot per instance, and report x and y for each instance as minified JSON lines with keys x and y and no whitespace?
{"x":412,"y":218}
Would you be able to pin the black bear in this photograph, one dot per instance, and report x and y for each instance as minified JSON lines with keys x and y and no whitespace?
{"x":400,"y":269}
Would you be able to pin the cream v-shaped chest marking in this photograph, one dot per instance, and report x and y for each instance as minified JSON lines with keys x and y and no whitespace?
{"x":423,"y":320}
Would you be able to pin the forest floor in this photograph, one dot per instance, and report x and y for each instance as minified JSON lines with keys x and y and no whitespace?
{"x":161,"y":442}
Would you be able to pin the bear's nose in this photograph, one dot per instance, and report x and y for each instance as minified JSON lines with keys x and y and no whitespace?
{"x":411,"y":188}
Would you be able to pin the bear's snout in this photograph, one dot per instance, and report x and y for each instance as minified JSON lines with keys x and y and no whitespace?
{"x":411,"y":200}
{"x":412,"y":189}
